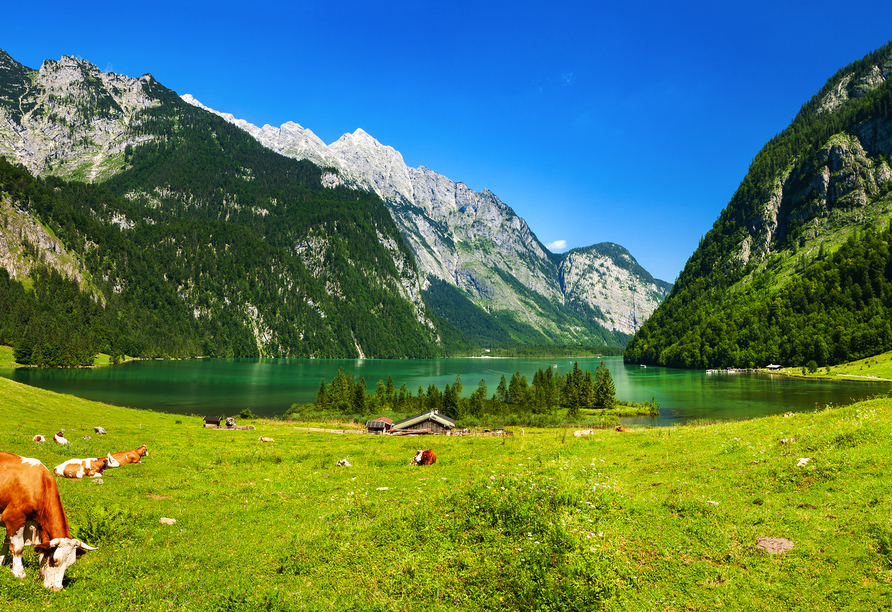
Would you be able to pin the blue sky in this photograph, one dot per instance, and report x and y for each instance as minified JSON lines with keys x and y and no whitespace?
{"x":616,"y":122}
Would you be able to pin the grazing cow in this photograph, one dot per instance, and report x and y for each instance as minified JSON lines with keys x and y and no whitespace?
{"x":343,"y":463}
{"x":265,"y":439}
{"x":100,"y":431}
{"x":59,"y":439}
{"x":78,"y":468}
{"x":424,"y":457}
{"x":621,"y":428}
{"x":131,"y":456}
{"x":32,"y":513}
{"x":38,"y":438}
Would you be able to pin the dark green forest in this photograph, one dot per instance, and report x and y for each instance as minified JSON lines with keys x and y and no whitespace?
{"x":838,"y":309}
{"x":543,"y":395}
{"x":720,"y":313}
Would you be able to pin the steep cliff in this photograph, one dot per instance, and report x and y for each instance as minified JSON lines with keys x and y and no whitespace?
{"x":764,"y":280}
{"x":69,"y":118}
{"x":475,"y":242}
{"x":201,"y":241}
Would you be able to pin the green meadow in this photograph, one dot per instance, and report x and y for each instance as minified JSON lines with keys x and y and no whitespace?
{"x":654,"y":519}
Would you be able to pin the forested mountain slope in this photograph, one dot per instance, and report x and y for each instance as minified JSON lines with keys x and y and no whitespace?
{"x":797,"y":268}
{"x":478,"y":245}
{"x":202,"y":242}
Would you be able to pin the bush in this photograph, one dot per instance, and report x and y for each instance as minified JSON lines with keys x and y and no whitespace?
{"x":102,"y":524}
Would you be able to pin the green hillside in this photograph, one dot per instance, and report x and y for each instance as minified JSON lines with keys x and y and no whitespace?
{"x":797,"y":266}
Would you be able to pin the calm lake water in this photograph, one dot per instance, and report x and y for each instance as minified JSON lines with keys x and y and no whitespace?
{"x":269,"y":386}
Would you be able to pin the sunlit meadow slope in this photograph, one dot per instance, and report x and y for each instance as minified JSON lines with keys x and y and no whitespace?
{"x":664,"y":519}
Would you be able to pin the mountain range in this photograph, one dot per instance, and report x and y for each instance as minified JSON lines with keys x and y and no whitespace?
{"x":145,"y":165}
{"x":476,"y":243}
{"x":797,"y":268}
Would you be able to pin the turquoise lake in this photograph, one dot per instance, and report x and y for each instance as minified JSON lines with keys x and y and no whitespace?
{"x":269,"y":386}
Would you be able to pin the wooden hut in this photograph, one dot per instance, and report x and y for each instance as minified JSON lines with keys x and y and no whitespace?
{"x":431,"y":422}
{"x":379,"y":425}
{"x":212,"y":421}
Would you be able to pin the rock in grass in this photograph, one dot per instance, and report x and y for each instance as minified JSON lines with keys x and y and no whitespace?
{"x":774,"y":546}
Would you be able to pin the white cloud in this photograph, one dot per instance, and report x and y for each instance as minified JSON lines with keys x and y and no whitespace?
{"x":557,"y":245}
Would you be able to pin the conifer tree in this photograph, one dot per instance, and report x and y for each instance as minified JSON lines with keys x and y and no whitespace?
{"x":605,"y":390}
{"x":321,"y":396}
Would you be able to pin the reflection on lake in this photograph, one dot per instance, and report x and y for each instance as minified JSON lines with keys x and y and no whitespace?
{"x":269,"y":386}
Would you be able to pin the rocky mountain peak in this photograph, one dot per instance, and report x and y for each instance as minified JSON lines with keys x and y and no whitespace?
{"x":70,"y":118}
{"x":471,"y":240}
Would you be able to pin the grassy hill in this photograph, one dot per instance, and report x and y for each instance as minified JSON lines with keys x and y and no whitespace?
{"x":654,"y":519}
{"x":878,"y":367}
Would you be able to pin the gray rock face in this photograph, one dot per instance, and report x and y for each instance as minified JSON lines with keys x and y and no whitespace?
{"x":826,"y":198}
{"x":608,"y":274}
{"x":25,"y":243}
{"x":470,"y":239}
{"x":71,"y":119}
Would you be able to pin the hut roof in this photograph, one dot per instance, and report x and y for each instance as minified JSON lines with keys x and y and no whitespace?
{"x":430,"y":415}
{"x":379,"y":424}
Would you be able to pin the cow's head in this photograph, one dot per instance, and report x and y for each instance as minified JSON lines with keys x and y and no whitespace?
{"x":143,"y":451}
{"x":418,"y":456}
{"x":57,"y":556}
{"x":111,"y":461}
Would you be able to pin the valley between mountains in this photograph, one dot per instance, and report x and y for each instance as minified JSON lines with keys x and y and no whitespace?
{"x":176,"y":215}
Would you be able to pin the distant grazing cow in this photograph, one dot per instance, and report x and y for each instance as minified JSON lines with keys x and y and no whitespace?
{"x":100,"y":431}
{"x":38,"y":438}
{"x":32,"y":513}
{"x":343,"y":463}
{"x":59,"y":439}
{"x":78,"y":468}
{"x":131,"y":456}
{"x":424,"y":457}
{"x":265,"y":439}
{"x":620,"y":428}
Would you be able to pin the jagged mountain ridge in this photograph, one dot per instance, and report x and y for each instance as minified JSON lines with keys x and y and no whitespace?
{"x":774,"y":281}
{"x":69,"y":119}
{"x":204,"y":241}
{"x":473,"y":240}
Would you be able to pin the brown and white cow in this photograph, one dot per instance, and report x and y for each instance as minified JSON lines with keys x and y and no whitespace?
{"x":60,"y":439}
{"x":78,"y":468}
{"x":424,"y":457}
{"x":38,"y":438}
{"x":131,"y":456}
{"x":32,"y":512}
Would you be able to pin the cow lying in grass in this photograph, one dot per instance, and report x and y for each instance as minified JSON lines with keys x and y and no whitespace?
{"x":32,"y":513}
{"x":78,"y":468}
{"x":424,"y":457}
{"x":131,"y":456}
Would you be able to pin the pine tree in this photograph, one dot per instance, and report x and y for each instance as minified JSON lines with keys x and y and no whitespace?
{"x":502,"y":390}
{"x":605,"y":390}
{"x":321,"y":396}
{"x":391,"y":392}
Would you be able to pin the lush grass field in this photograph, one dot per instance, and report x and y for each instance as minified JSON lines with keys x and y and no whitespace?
{"x":657,"y":519}
{"x":878,"y":367}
